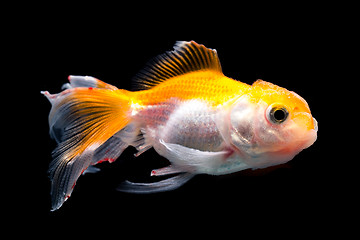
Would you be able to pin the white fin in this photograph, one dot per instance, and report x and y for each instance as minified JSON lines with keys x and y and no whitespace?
{"x":166,"y":171}
{"x":193,"y":160}
{"x":87,"y":81}
{"x":161,"y":186}
{"x":91,"y":169}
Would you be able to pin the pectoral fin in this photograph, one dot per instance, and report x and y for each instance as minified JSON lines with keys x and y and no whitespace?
{"x":193,"y":160}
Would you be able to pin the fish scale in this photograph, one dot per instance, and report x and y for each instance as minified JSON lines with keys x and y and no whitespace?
{"x":192,"y":125}
{"x":198,"y":85}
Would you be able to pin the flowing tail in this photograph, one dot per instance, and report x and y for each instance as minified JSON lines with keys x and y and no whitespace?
{"x":90,"y":120}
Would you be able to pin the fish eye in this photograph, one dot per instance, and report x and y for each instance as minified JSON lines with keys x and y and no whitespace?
{"x":277,"y":114}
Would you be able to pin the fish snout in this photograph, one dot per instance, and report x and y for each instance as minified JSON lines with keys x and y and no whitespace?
{"x":315,"y":124}
{"x":311,"y":135}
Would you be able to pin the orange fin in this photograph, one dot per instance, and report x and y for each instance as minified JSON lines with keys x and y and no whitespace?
{"x":185,"y":58}
{"x":86,"y":122}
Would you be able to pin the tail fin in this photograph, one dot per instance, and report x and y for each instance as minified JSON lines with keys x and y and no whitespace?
{"x":86,"y":121}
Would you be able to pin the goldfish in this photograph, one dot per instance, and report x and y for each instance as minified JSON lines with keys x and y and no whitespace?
{"x":185,"y":108}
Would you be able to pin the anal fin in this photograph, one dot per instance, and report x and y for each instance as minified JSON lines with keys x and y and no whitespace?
{"x":91,"y":169}
{"x":166,"y":171}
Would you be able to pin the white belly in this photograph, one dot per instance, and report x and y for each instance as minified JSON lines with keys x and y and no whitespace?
{"x":192,"y":125}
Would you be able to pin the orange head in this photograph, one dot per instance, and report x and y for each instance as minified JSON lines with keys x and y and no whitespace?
{"x":271,"y":124}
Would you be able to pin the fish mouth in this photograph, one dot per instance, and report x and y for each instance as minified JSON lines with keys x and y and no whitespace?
{"x":315,"y":124}
{"x":311,"y":136}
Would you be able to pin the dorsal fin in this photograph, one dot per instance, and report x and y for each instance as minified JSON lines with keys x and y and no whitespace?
{"x":186,"y":57}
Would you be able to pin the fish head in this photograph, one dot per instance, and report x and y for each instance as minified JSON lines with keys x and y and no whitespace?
{"x":271,"y":125}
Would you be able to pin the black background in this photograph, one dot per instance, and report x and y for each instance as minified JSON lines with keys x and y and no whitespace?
{"x":293,"y":49}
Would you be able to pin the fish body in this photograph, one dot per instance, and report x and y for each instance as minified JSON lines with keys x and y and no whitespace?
{"x":187,"y":110}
